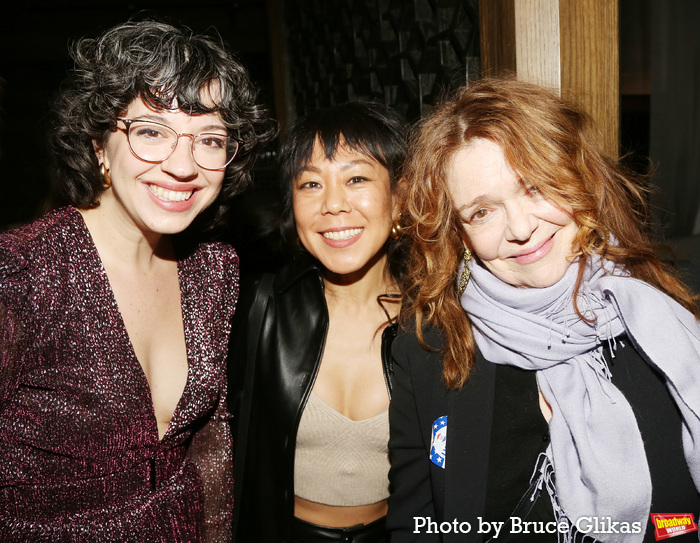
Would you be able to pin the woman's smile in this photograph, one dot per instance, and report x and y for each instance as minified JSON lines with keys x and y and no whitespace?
{"x":343,"y":209}
{"x":533,"y":254}
{"x":341,"y":234}
{"x":342,"y":238}
{"x":164,"y":197}
{"x":170,"y":195}
{"x":521,"y":237}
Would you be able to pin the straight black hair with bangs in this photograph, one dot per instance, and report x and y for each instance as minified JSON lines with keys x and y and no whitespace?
{"x":365,"y":127}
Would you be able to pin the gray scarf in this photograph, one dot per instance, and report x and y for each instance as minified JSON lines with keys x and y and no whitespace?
{"x":596,"y":449}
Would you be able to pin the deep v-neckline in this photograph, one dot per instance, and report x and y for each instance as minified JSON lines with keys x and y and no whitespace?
{"x":139,"y":371}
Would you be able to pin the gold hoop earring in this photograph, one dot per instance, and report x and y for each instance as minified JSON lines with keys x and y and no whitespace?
{"x":396,"y":229}
{"x":106,"y":179}
{"x":464,"y":278}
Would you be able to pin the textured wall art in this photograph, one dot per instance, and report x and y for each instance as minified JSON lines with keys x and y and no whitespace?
{"x":404,"y":53}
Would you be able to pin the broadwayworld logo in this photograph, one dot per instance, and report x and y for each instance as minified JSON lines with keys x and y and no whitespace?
{"x":672,"y":524}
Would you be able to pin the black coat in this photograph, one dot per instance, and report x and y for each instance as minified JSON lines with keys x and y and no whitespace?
{"x":289,"y":354}
{"x":419,"y":487}
{"x":495,"y":433}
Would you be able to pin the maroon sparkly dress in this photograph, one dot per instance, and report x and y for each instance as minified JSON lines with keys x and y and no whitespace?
{"x":80,"y":458}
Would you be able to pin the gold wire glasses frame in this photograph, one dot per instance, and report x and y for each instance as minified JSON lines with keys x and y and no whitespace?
{"x":154,"y":142}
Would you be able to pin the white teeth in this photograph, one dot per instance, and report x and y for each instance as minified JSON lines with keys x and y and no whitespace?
{"x":170,"y":195}
{"x":342,"y":234}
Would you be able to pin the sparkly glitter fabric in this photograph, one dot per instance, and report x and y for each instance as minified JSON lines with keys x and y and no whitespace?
{"x":80,"y":458}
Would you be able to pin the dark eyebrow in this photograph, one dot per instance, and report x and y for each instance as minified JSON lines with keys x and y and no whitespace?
{"x":159,"y":119}
{"x":343,"y":166}
{"x":210,"y":127}
{"x":151,"y":117}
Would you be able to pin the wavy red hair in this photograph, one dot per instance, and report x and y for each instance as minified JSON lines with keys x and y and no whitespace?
{"x":551,"y":144}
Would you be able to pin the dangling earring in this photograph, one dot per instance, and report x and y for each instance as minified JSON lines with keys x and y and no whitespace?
{"x":464,"y":278}
{"x":106,"y":179}
{"x":396,"y":228}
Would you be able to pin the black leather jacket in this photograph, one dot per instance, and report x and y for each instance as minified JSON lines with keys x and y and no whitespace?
{"x":289,"y":353}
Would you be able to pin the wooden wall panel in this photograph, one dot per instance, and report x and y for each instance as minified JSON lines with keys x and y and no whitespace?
{"x":537,"y":42}
{"x":590,"y":63}
{"x":571,"y":45}
{"x":497,"y":29}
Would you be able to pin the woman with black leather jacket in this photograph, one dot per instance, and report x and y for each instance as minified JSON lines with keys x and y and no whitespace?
{"x":311,"y":389}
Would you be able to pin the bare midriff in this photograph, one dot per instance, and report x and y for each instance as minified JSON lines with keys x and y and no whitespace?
{"x":338,"y":516}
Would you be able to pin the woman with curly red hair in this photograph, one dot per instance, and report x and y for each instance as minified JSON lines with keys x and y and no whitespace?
{"x":549,"y":338}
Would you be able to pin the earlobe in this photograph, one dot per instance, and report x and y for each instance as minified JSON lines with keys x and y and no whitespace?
{"x":396,"y":222}
{"x":103,"y":164}
{"x":99,"y":151}
{"x":397,"y":196}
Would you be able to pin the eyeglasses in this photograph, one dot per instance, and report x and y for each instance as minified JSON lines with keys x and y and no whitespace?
{"x":155,"y":142}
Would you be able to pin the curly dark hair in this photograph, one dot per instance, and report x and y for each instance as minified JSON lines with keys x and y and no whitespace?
{"x":162,"y":65}
{"x":366,"y":127}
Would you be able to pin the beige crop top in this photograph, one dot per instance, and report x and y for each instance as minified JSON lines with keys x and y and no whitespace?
{"x":340,"y":461}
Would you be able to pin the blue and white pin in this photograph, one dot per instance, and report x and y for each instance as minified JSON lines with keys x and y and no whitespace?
{"x":438,"y":442}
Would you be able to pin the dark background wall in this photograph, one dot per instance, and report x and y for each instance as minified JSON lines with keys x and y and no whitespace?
{"x":305,"y":54}
{"x":34,"y":38}
{"x":404,"y":53}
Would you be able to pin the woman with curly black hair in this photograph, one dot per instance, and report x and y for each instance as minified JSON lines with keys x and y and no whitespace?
{"x":113,"y":424}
